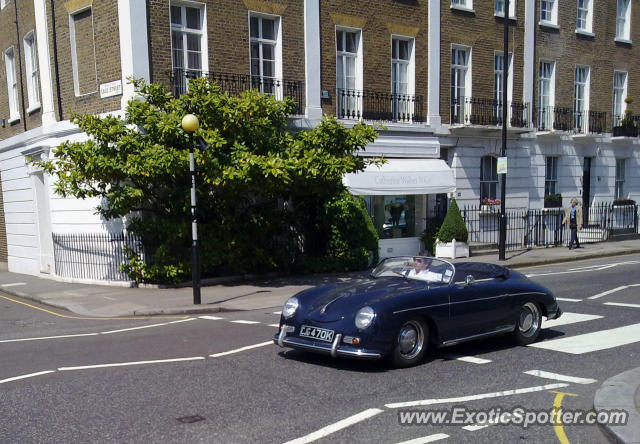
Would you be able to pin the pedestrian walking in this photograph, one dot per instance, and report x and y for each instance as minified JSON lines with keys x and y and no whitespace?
{"x":573,"y":216}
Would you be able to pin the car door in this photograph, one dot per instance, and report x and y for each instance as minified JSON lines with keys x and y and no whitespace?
{"x":480,"y":306}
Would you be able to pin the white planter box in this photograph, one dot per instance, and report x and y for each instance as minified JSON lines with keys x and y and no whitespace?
{"x":452,"y":249}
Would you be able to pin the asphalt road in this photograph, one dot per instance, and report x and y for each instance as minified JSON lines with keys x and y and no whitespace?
{"x":60,"y":384}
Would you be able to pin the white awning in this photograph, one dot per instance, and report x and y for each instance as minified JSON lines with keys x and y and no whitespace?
{"x":402,"y":176}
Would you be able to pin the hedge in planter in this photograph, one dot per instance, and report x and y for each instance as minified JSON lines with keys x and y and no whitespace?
{"x":453,"y":226}
{"x":553,"y":201}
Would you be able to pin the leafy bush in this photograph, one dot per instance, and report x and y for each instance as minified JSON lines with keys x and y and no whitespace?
{"x":430,"y":234}
{"x":453,"y":226}
{"x":352,"y":239}
{"x":627,"y":120}
{"x":553,"y":201}
{"x":620,"y":201}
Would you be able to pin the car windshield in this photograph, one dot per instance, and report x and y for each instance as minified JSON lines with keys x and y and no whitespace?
{"x":421,"y":268}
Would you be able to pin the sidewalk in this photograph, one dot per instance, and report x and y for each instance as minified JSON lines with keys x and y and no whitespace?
{"x":109,"y":301}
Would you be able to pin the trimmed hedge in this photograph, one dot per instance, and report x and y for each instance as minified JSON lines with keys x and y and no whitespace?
{"x":453,"y":226}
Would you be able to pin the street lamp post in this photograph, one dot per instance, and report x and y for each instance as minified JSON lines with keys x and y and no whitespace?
{"x":190,"y":124}
{"x":503,"y":179}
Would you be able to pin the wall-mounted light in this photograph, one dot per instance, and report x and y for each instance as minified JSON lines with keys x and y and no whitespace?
{"x":325,"y":94}
{"x":3,"y":122}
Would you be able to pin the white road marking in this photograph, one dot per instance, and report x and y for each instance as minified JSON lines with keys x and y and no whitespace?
{"x":108,"y":298}
{"x":15,"y":284}
{"x":473,"y":428}
{"x":538,"y":388}
{"x":621,"y":304}
{"x":325,"y":431}
{"x":248,"y":347}
{"x":569,"y":300}
{"x":123,"y":364}
{"x":569,"y":318}
{"x":426,"y":439}
{"x":559,"y":377}
{"x":471,"y":359}
{"x":605,"y":293}
{"x":585,"y":269}
{"x":181,"y":320}
{"x":133,"y":328}
{"x":211,"y":318}
{"x":589,"y":342}
{"x":277,"y":312}
{"x":245,"y":322}
{"x":30,"y":375}
{"x":48,"y":337}
{"x":274,"y":325}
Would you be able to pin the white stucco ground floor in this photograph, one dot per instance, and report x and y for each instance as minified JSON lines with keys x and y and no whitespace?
{"x":591,"y":169}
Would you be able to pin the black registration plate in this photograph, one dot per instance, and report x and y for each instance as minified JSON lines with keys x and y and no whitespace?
{"x":321,"y":334}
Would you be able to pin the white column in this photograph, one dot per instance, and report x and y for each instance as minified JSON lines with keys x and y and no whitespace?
{"x":313,"y":109}
{"x":44,"y":63}
{"x":134,"y":45}
{"x":433,"y":101}
{"x":529,"y":55}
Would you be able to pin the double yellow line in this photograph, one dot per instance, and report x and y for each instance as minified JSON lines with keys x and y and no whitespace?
{"x":90,"y":318}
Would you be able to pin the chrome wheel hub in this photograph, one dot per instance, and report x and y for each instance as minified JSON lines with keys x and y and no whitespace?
{"x":411,"y":339}
{"x":529,"y":320}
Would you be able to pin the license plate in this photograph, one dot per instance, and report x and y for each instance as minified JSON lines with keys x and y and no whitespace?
{"x":321,"y":334}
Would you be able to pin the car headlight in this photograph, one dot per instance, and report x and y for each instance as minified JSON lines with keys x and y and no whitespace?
{"x":364,"y":317}
{"x":290,"y":307}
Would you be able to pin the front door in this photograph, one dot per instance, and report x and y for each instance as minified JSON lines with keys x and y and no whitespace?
{"x":586,"y":190}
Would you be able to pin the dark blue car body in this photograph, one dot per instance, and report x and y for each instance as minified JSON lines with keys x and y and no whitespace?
{"x":479,"y":300}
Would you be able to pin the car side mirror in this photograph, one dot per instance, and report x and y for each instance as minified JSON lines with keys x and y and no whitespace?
{"x":469,"y":280}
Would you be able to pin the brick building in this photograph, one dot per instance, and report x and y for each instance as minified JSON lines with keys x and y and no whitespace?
{"x":429,"y":70}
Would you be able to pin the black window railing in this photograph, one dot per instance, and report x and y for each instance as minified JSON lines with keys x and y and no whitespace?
{"x":488,"y":112}
{"x":381,"y":106}
{"x":555,"y":118}
{"x":235,"y":84}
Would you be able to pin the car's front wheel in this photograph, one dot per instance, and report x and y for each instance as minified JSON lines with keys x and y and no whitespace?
{"x":410,"y":343}
{"x":528,"y":324}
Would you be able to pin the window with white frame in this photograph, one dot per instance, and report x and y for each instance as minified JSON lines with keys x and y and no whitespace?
{"x":488,"y":178}
{"x":3,"y":4}
{"x":546,"y":99}
{"x":585,"y":16}
{"x":465,"y":4}
{"x":498,"y":84}
{"x":499,"y":8}
{"x":623,"y":19}
{"x":619,"y":94}
{"x":187,"y":43}
{"x":348,"y":73}
{"x":551,"y":175}
{"x":265,"y":63}
{"x":620,"y":167}
{"x":12,"y":84}
{"x":83,"y":53}
{"x":31,"y":64}
{"x":549,"y":12}
{"x":460,"y":82}
{"x":402,"y":78}
{"x":581,"y":98}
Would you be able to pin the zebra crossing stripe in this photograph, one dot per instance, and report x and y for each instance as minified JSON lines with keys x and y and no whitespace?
{"x":569,"y":318}
{"x":590,"y":342}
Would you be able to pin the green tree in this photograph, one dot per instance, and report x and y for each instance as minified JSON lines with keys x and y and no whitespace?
{"x":261,"y":189}
{"x":453,"y":226}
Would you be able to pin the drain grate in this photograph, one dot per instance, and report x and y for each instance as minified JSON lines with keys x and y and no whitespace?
{"x":190,"y":419}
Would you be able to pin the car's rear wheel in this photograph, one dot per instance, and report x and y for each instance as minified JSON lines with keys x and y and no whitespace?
{"x":410,"y":343}
{"x":528,"y":324}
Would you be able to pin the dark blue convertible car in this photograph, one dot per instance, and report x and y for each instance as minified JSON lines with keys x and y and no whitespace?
{"x":409,"y":303}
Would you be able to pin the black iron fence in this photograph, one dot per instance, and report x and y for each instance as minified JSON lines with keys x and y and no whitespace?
{"x":549,"y":118}
{"x":235,"y":84}
{"x":95,"y":256}
{"x":488,"y":112}
{"x":373,"y":105}
{"x":528,"y":228}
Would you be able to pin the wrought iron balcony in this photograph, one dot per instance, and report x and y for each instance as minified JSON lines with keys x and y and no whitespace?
{"x":235,"y":84}
{"x":554,"y":118}
{"x":488,"y":112}
{"x":623,"y":128}
{"x":372,"y":105}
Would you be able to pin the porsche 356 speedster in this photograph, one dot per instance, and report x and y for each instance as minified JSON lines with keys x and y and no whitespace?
{"x":411,"y":303}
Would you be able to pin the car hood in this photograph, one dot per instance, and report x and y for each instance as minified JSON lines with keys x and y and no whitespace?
{"x":342,"y":300}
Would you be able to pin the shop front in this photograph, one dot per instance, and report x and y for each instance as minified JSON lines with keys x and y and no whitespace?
{"x":398,"y":195}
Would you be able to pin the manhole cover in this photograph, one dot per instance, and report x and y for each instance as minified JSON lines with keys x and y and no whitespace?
{"x":190,"y":419}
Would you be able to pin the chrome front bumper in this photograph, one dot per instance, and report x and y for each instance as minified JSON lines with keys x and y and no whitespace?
{"x":336,"y":348}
